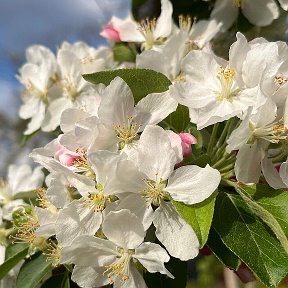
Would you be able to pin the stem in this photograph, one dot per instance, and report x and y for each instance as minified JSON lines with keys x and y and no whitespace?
{"x":227,"y":168}
{"x":225,"y":160}
{"x":224,"y":132}
{"x":212,"y":138}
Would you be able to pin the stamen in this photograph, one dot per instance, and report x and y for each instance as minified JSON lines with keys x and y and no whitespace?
{"x":280,"y":81}
{"x":226,"y":77}
{"x":154,"y":194}
{"x":273,"y":133}
{"x":97,"y":201}
{"x":120,"y":268}
{"x":127,"y":131}
{"x":53,"y":253}
{"x":42,"y":198}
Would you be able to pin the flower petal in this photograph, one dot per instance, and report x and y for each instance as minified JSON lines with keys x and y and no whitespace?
{"x":174,"y":233}
{"x":124,"y":229}
{"x":192,"y":184}
{"x":152,"y":256}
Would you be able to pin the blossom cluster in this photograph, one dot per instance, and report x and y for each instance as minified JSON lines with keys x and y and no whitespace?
{"x":116,"y":169}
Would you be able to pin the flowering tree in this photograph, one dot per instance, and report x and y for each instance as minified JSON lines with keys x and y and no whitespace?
{"x":160,"y":148}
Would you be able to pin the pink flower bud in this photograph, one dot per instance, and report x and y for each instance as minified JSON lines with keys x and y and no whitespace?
{"x":66,"y":157}
{"x":110,"y":33}
{"x":187,"y":140}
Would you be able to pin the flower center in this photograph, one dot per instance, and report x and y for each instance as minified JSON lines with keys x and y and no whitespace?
{"x":280,"y":81}
{"x":119,"y":268}
{"x":272,"y":133}
{"x":53,"y":253}
{"x":97,"y":201}
{"x":228,"y":90}
{"x":154,"y":193}
{"x":147,"y":28}
{"x":69,"y":88}
{"x":127,"y":131}
{"x":186,"y":23}
{"x":26,"y":224}
{"x":30,"y":88}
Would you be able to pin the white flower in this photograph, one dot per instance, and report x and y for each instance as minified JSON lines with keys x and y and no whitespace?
{"x":167,"y":58}
{"x":158,"y":183}
{"x":120,"y":121}
{"x":38,"y":76}
{"x":218,"y":90}
{"x":114,"y":259}
{"x":252,"y":139}
{"x":258,"y":12}
{"x":148,"y":32}
{"x":21,"y":178}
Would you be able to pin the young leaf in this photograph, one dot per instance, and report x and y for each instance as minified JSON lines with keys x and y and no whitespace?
{"x":250,"y":239}
{"x":123,"y":53}
{"x":14,"y":253}
{"x":141,"y":81}
{"x":33,"y":271}
{"x":198,"y":216}
{"x":179,"y":119}
{"x":226,"y":256}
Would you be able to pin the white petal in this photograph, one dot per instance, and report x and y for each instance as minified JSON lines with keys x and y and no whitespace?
{"x":57,"y":191}
{"x":75,"y":220}
{"x":225,"y":11}
{"x":135,"y":279}
{"x":164,"y":22}
{"x":153,"y":108}
{"x":284,"y":172}
{"x":71,"y":116}
{"x":248,"y":163}
{"x":47,"y":220}
{"x":174,"y":233}
{"x":23,"y":179}
{"x":88,"y":277}
{"x":271,"y":175}
{"x":156,"y":156}
{"x":152,"y":256}
{"x":83,"y":184}
{"x":260,"y":12}
{"x":124,"y":229}
{"x":117,"y":103}
{"x":138,"y":206}
{"x":284,"y":4}
{"x":89,"y":251}
{"x":104,"y":164}
{"x":192,"y":184}
{"x":37,"y":118}
{"x":129,"y":31}
{"x":53,"y":114}
{"x":2,"y":254}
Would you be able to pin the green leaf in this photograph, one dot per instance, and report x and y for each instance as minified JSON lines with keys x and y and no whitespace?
{"x":274,"y":201}
{"x":33,"y":271}
{"x":225,"y":255}
{"x":179,"y":119}
{"x":14,"y":253}
{"x":57,"y":281}
{"x":198,"y":216}
{"x":264,"y":214}
{"x":122,"y":53}
{"x":250,"y":239}
{"x":141,"y":81}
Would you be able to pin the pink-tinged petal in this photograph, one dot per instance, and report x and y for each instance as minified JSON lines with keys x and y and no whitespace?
{"x":110,"y":33}
{"x":66,"y":157}
{"x":187,"y":140}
